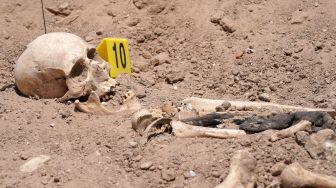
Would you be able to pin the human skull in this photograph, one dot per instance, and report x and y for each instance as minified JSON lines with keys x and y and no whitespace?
{"x":62,"y":65}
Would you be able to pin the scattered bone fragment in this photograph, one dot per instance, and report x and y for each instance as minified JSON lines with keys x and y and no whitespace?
{"x":34,"y":163}
{"x":295,"y":176}
{"x":157,"y":127}
{"x":301,"y":126}
{"x":61,"y":65}
{"x":141,"y":119}
{"x":242,"y":171}
{"x":94,"y":106}
{"x":209,"y":105}
{"x":184,"y":130}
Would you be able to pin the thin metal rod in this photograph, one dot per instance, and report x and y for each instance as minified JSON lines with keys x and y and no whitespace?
{"x":44,"y":23}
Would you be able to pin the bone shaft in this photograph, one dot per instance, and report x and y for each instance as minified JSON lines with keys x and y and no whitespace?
{"x":322,"y":181}
{"x":302,"y":125}
{"x":181,"y":129}
{"x":210,"y":105}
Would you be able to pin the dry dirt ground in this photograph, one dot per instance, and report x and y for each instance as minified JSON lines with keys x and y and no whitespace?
{"x":293,"y":63}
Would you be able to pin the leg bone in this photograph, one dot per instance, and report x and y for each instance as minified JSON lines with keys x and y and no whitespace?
{"x":295,"y":176}
{"x":184,"y":130}
{"x":301,"y":126}
{"x":209,"y":105}
{"x":242,"y":171}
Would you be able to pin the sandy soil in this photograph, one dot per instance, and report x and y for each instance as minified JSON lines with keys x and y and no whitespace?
{"x":293,"y":63}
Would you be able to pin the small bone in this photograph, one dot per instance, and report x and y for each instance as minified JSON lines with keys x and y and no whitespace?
{"x":209,"y":105}
{"x":184,"y":130}
{"x":141,"y":119}
{"x":93,"y":105}
{"x":295,"y":176}
{"x":301,"y":126}
{"x":157,"y":127}
{"x":242,"y":171}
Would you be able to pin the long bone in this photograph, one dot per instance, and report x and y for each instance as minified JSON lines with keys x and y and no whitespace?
{"x":242,"y":171}
{"x":144,"y":123}
{"x":184,"y":130}
{"x":301,"y":126}
{"x":209,"y":105}
{"x":295,"y":176}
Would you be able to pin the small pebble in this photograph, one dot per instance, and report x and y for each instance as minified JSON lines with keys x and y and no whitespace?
{"x":133,"y":144}
{"x":146,"y":165}
{"x":265,"y":97}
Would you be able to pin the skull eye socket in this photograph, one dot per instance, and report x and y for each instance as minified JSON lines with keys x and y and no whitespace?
{"x":91,"y":53}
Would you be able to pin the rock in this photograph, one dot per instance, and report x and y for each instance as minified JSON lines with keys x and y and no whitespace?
{"x":133,"y":144}
{"x":318,"y":46}
{"x":110,"y":13}
{"x":168,"y":175}
{"x":225,"y":24}
{"x":56,"y":180}
{"x":140,"y":4}
{"x":169,"y":109}
{"x":223,"y":107}
{"x":133,"y":22}
{"x":299,"y":17}
{"x":65,"y":114}
{"x":89,"y":37}
{"x":142,"y":65}
{"x":23,"y":156}
{"x":277,"y":168}
{"x":216,"y":174}
{"x":34,"y":163}
{"x":190,"y":174}
{"x":175,"y":77}
{"x":5,"y":35}
{"x":146,"y":165}
{"x":319,"y":99}
{"x":157,"y":8}
{"x":160,"y":59}
{"x":52,"y":125}
{"x":301,"y":137}
{"x":193,"y":60}
{"x":137,"y":158}
{"x":99,"y":32}
{"x":322,"y":144}
{"x":235,"y":72}
{"x":264,"y":97}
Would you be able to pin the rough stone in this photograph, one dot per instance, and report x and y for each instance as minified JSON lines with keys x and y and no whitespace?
{"x":301,"y":137}
{"x":264,"y":97}
{"x":34,"y":163}
{"x":168,"y":175}
{"x":223,"y":107}
{"x":146,"y":165}
{"x":277,"y":169}
{"x":160,"y":59}
{"x":322,"y":144}
{"x":175,"y":77}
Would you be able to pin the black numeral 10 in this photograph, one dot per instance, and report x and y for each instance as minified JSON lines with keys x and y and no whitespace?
{"x":122,"y":55}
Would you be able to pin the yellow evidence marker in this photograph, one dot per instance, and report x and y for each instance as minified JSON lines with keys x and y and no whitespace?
{"x":115,"y":52}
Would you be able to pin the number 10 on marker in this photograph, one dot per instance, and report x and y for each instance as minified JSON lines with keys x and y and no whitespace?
{"x":115,"y":52}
